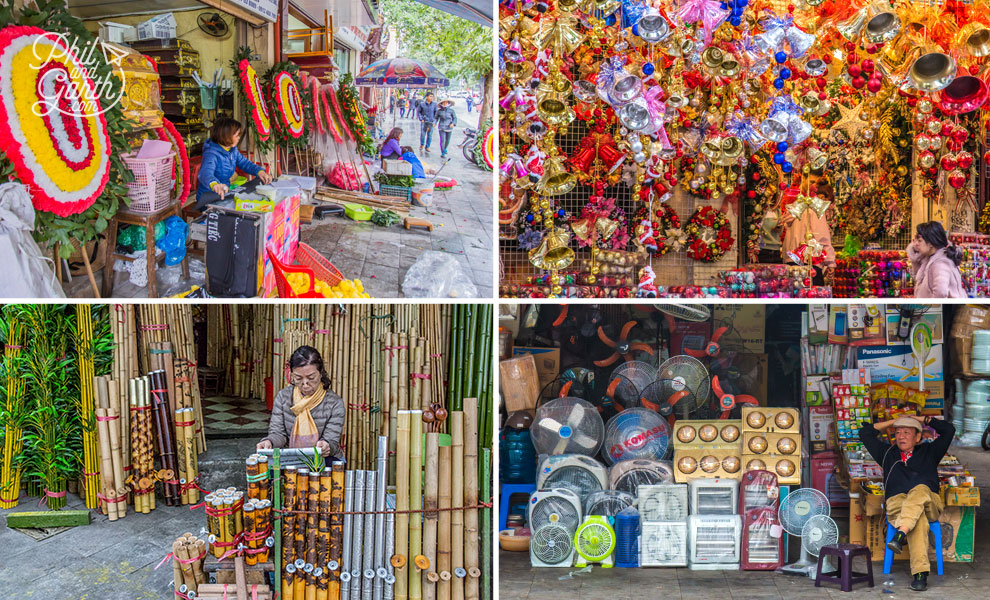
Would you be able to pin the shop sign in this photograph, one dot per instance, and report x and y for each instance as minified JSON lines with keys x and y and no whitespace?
{"x":353,"y":37}
{"x":266,"y":9}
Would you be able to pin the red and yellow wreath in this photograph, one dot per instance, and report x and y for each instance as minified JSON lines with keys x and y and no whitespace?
{"x":289,"y":104}
{"x":314,"y":91}
{"x":331,"y":122}
{"x":255,"y":99}
{"x":339,"y":113}
{"x":51,"y":122}
{"x":709,"y":234}
{"x":168,"y":133}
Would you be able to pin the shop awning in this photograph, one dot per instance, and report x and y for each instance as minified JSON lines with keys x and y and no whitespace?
{"x":478,"y":11}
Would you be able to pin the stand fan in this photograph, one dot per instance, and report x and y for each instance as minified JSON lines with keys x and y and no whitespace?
{"x":627,"y":382}
{"x":728,"y":401}
{"x":567,"y":426}
{"x":796,"y":510}
{"x":681,"y":387}
{"x":636,"y":433}
{"x":819,"y":531}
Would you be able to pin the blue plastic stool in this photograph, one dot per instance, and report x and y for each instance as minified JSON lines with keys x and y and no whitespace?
{"x":888,"y":554}
{"x":505,"y":495}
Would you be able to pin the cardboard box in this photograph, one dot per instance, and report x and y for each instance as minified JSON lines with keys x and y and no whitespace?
{"x":976,"y":317}
{"x":961,"y":496}
{"x":519,"y":383}
{"x":689,"y":334}
{"x":817,"y":391}
{"x":547,"y":362}
{"x":958,"y":529}
{"x":897,"y":363}
{"x":817,"y":323}
{"x":748,"y":324}
{"x":838,"y":330}
{"x":932,"y":318}
{"x":821,"y":428}
{"x":866,"y":325}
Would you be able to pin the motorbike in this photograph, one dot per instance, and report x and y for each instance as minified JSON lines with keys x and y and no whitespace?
{"x":467,"y":146}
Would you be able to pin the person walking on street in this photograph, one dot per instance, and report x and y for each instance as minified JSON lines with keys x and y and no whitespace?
{"x":391,"y":105}
{"x":427,"y":114}
{"x":470,"y":101}
{"x":935,"y":263}
{"x":402,"y":107}
{"x":446,"y":119}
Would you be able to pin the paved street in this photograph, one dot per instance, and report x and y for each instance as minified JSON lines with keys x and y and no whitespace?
{"x":462,"y":220}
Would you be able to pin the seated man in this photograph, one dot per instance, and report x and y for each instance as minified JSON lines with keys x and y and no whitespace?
{"x":911,"y":485}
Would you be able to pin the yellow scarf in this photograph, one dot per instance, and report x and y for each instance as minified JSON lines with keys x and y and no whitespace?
{"x":304,"y":432}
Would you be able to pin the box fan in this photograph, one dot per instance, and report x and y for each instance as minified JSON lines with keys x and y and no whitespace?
{"x":664,"y":502}
{"x":554,"y":516}
{"x":713,"y":496}
{"x":628,"y":475}
{"x":607,"y":503}
{"x":761,"y":551}
{"x":714,"y":541}
{"x":576,"y":472}
{"x":664,"y":544}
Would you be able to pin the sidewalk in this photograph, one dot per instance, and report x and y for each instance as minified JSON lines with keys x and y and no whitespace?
{"x":462,"y":220}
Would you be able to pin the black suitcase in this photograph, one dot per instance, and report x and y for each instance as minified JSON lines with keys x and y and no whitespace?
{"x":233,"y":243}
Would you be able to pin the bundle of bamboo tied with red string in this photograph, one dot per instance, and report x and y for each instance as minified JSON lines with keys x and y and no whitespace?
{"x":143,"y":475}
{"x":113,"y":492}
{"x":188,"y":554}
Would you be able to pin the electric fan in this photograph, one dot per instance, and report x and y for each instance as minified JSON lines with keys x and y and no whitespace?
{"x":608,"y":503}
{"x":628,"y":475}
{"x":213,"y":25}
{"x":594,"y":542}
{"x":711,"y":349}
{"x":627,"y":538}
{"x":554,"y":507}
{"x":551,"y":546}
{"x":796,"y":509}
{"x":727,"y":401}
{"x":685,"y":312}
{"x":636,"y":433}
{"x":682,"y":386}
{"x":664,"y":544}
{"x":622,"y":347}
{"x":665,"y":502}
{"x":576,"y":472}
{"x":921,"y":345}
{"x":817,"y":532}
{"x":575,"y":383}
{"x":627,"y":382}
{"x":567,"y":426}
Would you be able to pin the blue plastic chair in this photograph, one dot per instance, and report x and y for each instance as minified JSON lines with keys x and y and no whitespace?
{"x":505,"y":495}
{"x":888,"y":554}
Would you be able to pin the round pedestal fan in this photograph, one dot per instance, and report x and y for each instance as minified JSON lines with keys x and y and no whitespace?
{"x":635,"y":433}
{"x":681,"y":387}
{"x":796,"y":510}
{"x":567,"y":426}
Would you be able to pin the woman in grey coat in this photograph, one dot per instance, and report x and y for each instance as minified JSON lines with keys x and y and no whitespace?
{"x":307,"y":413}
{"x":446,"y":119}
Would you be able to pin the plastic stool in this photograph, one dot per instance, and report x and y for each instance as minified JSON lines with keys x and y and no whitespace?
{"x":845,"y":576}
{"x":934,"y":526}
{"x":505,"y":494}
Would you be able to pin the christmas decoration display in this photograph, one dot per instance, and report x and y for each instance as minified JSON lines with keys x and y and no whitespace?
{"x":874,"y":112}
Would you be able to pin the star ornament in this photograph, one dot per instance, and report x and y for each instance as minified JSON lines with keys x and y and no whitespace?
{"x":849,"y":122}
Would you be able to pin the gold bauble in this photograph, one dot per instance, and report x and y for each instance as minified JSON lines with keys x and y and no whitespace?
{"x":595,"y":270}
{"x":592,"y":279}
{"x":537,"y":218}
{"x":556,"y":290}
{"x":544,"y":204}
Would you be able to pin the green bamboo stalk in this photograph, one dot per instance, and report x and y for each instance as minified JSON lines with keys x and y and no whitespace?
{"x":486,"y":524}
{"x":471,"y":341}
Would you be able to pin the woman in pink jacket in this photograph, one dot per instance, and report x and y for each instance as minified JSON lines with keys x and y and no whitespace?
{"x":935,"y":263}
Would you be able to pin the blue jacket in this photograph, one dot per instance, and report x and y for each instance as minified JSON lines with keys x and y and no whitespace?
{"x":446,"y":119}
{"x":427,"y":112}
{"x":417,"y":167}
{"x":219,"y":165}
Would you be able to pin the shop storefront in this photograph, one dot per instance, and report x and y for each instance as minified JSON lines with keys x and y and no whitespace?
{"x":746,"y":437}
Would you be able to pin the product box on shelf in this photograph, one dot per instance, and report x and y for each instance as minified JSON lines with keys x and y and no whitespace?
{"x":547,"y":362}
{"x":931,"y":317}
{"x":748,"y":323}
{"x":899,"y":363}
{"x":821,"y":428}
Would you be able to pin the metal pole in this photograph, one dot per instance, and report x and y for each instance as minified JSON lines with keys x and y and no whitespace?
{"x":380,"y":555}
{"x":345,"y":557}
{"x":369,"y":536}
{"x":357,"y":538}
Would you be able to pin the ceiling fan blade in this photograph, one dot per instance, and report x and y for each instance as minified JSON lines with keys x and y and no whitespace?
{"x":565,"y":389}
{"x":626,"y":329}
{"x":718,"y":333}
{"x":695,"y":353}
{"x":608,"y":361}
{"x":561,"y":317}
{"x":717,"y":387}
{"x":550,"y":424}
{"x":642,"y":347}
{"x":604,"y":338}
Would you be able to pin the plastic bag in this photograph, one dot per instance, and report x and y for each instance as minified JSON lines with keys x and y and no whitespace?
{"x":173,"y":242}
{"x":345,"y":177}
{"x":438,"y":275}
{"x":27,"y":272}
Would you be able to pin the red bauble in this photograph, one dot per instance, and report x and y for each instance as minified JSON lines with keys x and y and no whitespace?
{"x":957,"y":179}
{"x":948,"y":162}
{"x":874,"y":85}
{"x":867,"y":65}
{"x":821,"y":83}
{"x":986,"y":158}
{"x":974,"y":70}
{"x":858,"y":83}
{"x":854,"y":71}
{"x":959,"y":135}
{"x":965,"y":160}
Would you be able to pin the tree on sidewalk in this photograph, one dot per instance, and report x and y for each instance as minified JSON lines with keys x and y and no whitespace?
{"x":461,"y":49}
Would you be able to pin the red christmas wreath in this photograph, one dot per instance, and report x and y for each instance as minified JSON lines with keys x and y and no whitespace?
{"x":709,"y":234}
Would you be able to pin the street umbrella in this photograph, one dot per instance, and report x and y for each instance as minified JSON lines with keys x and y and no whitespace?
{"x":401,"y":73}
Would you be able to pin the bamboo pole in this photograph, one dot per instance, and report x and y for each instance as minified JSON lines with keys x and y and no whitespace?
{"x":471,"y":588}
{"x":457,"y":520}
{"x":10,"y":473}
{"x":180,"y":450}
{"x":336,"y":528}
{"x":299,"y":537}
{"x":312,"y":522}
{"x":288,"y":533}
{"x":402,"y":488}
{"x":415,"y":501}
{"x":106,"y":465}
{"x":323,"y":541}
{"x":430,"y":514}
{"x":443,"y":533}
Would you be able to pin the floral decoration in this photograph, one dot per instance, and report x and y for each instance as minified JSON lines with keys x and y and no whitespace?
{"x":709,"y":234}
{"x":255,"y":99}
{"x":289,"y":104}
{"x":62,"y":155}
{"x":168,"y":133}
{"x":330,"y":120}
